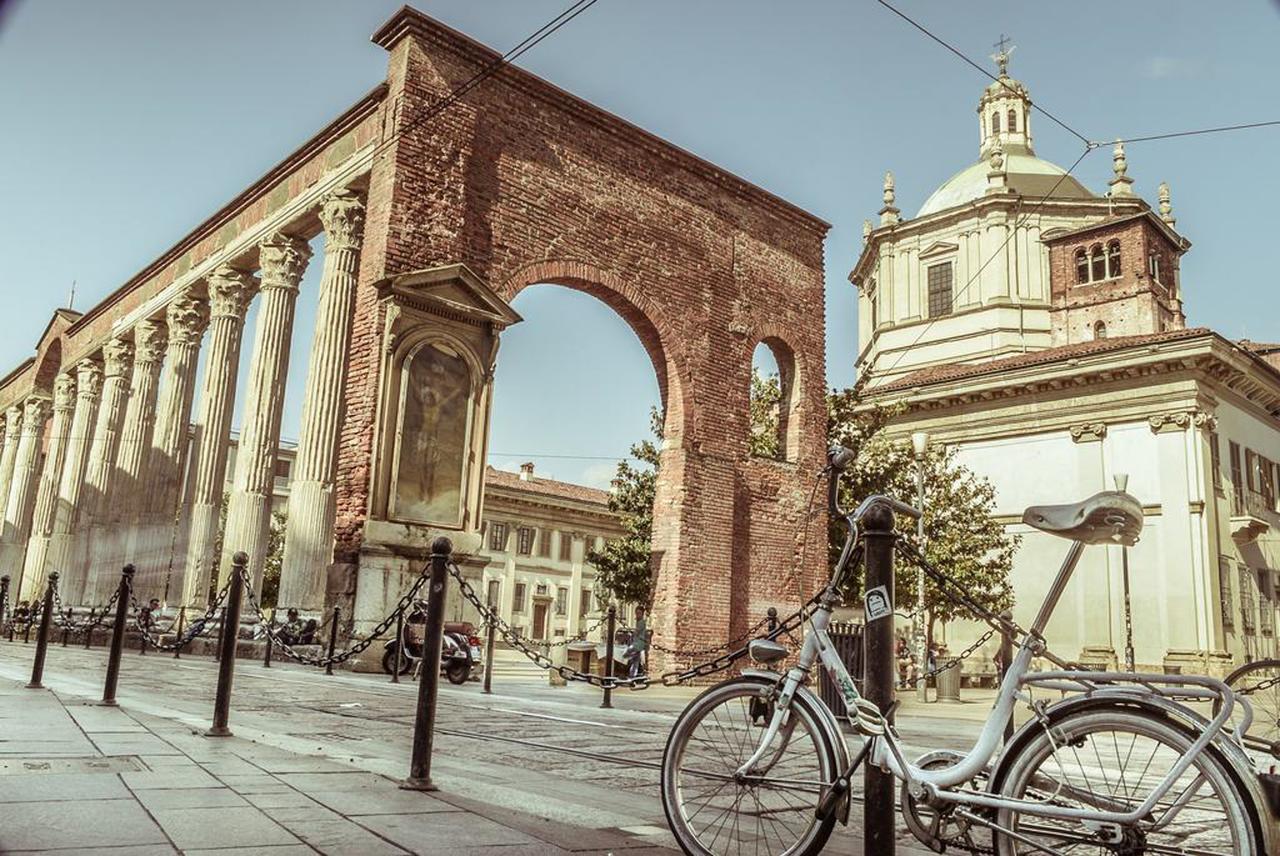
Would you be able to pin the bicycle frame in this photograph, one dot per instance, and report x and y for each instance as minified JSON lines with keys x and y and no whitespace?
{"x":886,"y":749}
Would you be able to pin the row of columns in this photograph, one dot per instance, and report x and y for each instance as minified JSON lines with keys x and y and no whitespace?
{"x":116,"y":485}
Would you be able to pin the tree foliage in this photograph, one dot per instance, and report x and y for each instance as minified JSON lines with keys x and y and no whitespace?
{"x":623,"y":569}
{"x":766,"y":400}
{"x":961,"y":537}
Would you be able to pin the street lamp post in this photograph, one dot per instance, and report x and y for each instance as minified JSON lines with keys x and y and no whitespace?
{"x":919,"y":445}
{"x":1122,"y":482}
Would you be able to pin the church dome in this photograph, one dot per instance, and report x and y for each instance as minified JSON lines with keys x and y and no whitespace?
{"x":1029,"y":176}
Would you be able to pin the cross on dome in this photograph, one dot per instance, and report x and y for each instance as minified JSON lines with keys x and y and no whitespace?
{"x":1004,"y":50}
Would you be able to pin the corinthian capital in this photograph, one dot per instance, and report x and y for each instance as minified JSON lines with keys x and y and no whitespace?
{"x":89,"y":378}
{"x":230,"y":291}
{"x":34,"y":412}
{"x":117,"y":356}
{"x":64,"y":392}
{"x":283,"y":260}
{"x":150,"y":338}
{"x":12,"y":423}
{"x":188,"y":316}
{"x":342,"y":215}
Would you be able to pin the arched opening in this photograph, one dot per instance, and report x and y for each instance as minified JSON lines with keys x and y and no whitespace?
{"x":1100,"y":330}
{"x":1097,"y":263}
{"x":772,"y":400}
{"x":1113,"y":259}
{"x":49,"y":366}
{"x":1082,"y":266}
{"x":995,"y":123}
{"x":1013,"y":122}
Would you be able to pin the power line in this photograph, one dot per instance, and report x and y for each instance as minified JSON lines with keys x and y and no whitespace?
{"x":922,"y":28}
{"x":560,"y":457}
{"x":1219,"y":130}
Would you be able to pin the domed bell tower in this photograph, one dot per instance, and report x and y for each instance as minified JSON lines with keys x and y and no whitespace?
{"x":1004,"y":111}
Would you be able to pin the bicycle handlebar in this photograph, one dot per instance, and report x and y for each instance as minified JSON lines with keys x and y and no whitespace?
{"x":839,"y":458}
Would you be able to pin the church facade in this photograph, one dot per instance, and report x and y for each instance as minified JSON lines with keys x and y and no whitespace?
{"x":1039,"y":328}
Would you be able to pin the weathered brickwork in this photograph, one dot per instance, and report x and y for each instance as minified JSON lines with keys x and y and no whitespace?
{"x":525,"y":184}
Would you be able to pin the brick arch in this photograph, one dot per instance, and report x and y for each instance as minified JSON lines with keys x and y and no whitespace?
{"x":791,"y":376}
{"x":48,"y":365}
{"x":645,"y":318}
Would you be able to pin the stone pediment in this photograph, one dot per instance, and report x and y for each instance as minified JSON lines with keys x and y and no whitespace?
{"x":453,"y":288}
{"x":938,"y":248}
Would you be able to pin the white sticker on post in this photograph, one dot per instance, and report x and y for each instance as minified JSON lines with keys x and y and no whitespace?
{"x":876,"y":604}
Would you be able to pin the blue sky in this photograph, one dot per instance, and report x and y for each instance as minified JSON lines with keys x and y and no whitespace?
{"x":129,"y":122}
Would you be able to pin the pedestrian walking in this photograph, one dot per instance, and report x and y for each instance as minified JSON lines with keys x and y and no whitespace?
{"x":637,"y":650}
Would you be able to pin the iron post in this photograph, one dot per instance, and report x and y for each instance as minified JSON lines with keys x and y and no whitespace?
{"x":772,"y":619}
{"x":88,"y":631}
{"x":333,"y":640}
{"x":228,"y":640}
{"x":4,"y":598}
{"x":879,"y":787}
{"x":610,"y":623}
{"x":182,"y":624}
{"x":66,"y":626}
{"x":271,"y":626}
{"x":399,"y":652}
{"x":491,"y":628}
{"x":919,"y":446}
{"x":42,"y":641}
{"x":1122,"y":482}
{"x":1006,"y":659}
{"x":433,"y":639}
{"x":222,"y":631}
{"x":117,"y":635}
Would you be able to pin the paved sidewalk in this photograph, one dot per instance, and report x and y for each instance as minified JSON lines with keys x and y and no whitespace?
{"x":77,"y":777}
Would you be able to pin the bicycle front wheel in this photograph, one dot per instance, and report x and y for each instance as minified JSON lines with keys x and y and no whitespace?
{"x":1111,"y":760}
{"x":713,"y":810}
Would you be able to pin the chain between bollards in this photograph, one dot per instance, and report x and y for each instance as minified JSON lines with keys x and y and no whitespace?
{"x":227,"y":647}
{"x":333,"y":640}
{"x":879,"y":788}
{"x":611,"y":624}
{"x":117,"y":635}
{"x":42,"y":642}
{"x":433,"y":639}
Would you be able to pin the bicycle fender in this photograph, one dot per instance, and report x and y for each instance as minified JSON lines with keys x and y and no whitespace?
{"x":1232,"y":756}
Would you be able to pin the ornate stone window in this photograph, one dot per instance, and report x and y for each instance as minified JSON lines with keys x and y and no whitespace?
{"x":562,"y":600}
{"x":1013,"y":122}
{"x":1113,"y":259}
{"x":498,"y":537}
{"x":940,"y":289}
{"x":524,"y":541}
{"x":995,"y":123}
{"x":517,"y":602}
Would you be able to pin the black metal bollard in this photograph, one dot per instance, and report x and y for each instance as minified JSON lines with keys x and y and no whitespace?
{"x":772,"y":615}
{"x":143,"y":630}
{"x":1006,"y":660}
{"x":4,"y":602}
{"x":222,"y":630}
{"x":879,"y":787}
{"x":433,"y":639}
{"x":266,"y":658}
{"x":399,"y":657}
{"x":488,"y":648}
{"x":93,"y":622}
{"x":26,"y":631}
{"x":227,"y":644}
{"x":66,"y":626}
{"x":42,"y":641}
{"x":333,"y":640}
{"x":117,"y":635}
{"x":177,"y":642}
{"x":611,"y":623}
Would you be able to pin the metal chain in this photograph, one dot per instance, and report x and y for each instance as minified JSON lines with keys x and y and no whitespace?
{"x":959,"y":658}
{"x":1259,"y":687}
{"x":640,"y":682}
{"x":702,"y":652}
{"x":582,"y":635}
{"x":199,"y":627}
{"x":309,"y":660}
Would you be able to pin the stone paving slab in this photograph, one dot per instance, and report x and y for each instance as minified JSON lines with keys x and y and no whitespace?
{"x":190,"y":798}
{"x":78,"y":823}
{"x":237,"y":826}
{"x":57,"y":787}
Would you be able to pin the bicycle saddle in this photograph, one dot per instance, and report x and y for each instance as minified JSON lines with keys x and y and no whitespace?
{"x":1109,"y":517}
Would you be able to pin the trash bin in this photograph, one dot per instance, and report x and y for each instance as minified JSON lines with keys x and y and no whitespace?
{"x":948,"y":682}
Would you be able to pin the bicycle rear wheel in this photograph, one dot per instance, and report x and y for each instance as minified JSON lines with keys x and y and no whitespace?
{"x":1110,"y":760}
{"x":714,"y":812}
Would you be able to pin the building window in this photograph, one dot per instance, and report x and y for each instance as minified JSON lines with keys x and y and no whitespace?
{"x":562,"y":600}
{"x":1113,"y":259}
{"x":495,"y":589}
{"x":1266,"y":604}
{"x":540,"y":589}
{"x":1082,"y":266}
{"x":584,"y":605}
{"x":498,"y":536}
{"x":524,"y":541}
{"x":588,"y":545}
{"x":1237,"y":477}
{"x":995,"y":123}
{"x":1153,"y":266}
{"x":1100,"y":330}
{"x":1215,"y":458}
{"x":282,"y":468}
{"x":1251,"y":469}
{"x":1269,"y":471}
{"x":1097,"y":264}
{"x":544,"y":543}
{"x":1248,"y":604}
{"x":940,"y":290}
{"x":566,"y":547}
{"x":873,"y":305}
{"x":1013,"y":122}
{"x":517,"y":602}
{"x":1224,"y":592}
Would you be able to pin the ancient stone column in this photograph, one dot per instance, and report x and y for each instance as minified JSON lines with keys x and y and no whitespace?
{"x":117,"y":357}
{"x":308,"y":544}
{"x":283,"y":260}
{"x":67,"y":507}
{"x":22,"y":491}
{"x":12,"y":430}
{"x":150,"y":338}
{"x":155,"y":546}
{"x":230,"y":291}
{"x":33,"y":564}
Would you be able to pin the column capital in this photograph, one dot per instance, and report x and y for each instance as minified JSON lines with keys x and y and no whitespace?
{"x":230,"y":291}
{"x":150,"y":338}
{"x":64,"y":392}
{"x":342,"y":215}
{"x":117,"y":356}
{"x":34,"y":412}
{"x":88,"y":378}
{"x":187,"y":316}
{"x":12,"y":422}
{"x":283,"y":260}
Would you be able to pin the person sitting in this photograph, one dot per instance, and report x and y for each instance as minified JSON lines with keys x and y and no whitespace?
{"x":290,"y":631}
{"x":308,"y":634}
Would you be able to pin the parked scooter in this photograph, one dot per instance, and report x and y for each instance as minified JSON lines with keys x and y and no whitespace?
{"x":459,"y":655}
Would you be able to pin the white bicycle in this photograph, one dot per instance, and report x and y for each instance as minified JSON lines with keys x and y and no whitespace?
{"x":1122,"y":765}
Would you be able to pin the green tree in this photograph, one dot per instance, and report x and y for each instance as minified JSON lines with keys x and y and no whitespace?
{"x":766,"y":399}
{"x":961,"y":537}
{"x":623,"y":567}
{"x":275,"y":558}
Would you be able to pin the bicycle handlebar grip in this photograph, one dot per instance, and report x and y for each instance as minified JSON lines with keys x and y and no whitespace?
{"x":902,"y":508}
{"x":840,"y":458}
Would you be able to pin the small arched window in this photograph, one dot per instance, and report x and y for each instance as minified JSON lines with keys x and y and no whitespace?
{"x":995,"y":123}
{"x":1113,"y":259}
{"x":1013,"y":122}
{"x":1082,"y":266}
{"x":1100,"y":330}
{"x":773,"y":399}
{"x":1097,"y":263}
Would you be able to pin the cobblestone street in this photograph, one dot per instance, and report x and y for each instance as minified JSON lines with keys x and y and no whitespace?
{"x":529,"y":748}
